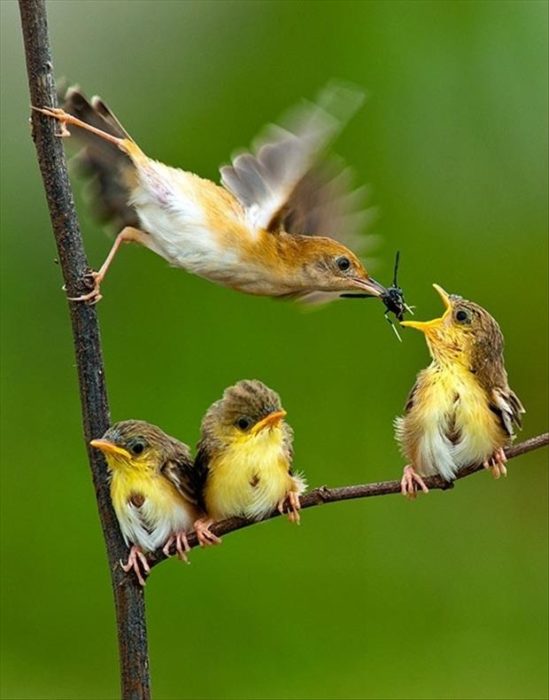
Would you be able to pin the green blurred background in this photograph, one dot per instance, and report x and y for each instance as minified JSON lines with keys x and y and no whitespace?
{"x":444,"y":598}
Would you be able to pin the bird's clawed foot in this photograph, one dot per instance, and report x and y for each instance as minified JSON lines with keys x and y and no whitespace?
{"x":497,"y":463}
{"x":181,"y":546}
{"x":410,"y":482}
{"x":204,"y":535}
{"x":136,"y":560}
{"x":94,"y":295}
{"x":62,"y":117}
{"x":65,"y":118}
{"x":290,"y":504}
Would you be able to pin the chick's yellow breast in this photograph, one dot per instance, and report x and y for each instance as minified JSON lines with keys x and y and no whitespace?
{"x":148,"y":507}
{"x":248,"y":478}
{"x":450,"y":424}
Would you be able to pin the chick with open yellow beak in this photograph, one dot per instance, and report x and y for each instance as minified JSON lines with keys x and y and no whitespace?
{"x":152,"y":490}
{"x":244,"y":460}
{"x":461,"y":410}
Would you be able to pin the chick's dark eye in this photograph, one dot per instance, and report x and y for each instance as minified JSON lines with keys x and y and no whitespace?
{"x":137,"y":447}
{"x":462,"y":316}
{"x":343,"y":263}
{"x":244,"y":422}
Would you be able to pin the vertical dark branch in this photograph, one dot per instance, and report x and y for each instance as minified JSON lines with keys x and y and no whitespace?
{"x":129,"y":597}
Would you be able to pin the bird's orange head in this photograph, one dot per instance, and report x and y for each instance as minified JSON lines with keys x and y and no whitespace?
{"x":465,"y":333}
{"x":324,"y":265}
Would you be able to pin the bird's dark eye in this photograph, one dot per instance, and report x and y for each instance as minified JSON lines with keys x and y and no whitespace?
{"x":244,"y":422}
{"x":137,"y":446}
{"x":462,"y":316}
{"x":343,"y":263}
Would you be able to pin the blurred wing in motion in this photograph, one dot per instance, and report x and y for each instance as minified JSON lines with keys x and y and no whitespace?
{"x":108,"y":170}
{"x":283,"y":188}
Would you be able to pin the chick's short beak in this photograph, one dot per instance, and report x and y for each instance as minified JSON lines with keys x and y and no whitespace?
{"x":423,"y":326}
{"x":269,"y":421}
{"x":427,"y":326}
{"x":108,"y":447}
{"x":444,"y":296}
{"x":369,"y":285}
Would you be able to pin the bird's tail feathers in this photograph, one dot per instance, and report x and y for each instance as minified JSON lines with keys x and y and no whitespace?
{"x":94,"y":112}
{"x":110,"y":171}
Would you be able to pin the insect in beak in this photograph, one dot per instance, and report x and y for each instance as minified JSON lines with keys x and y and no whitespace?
{"x":392,"y":297}
{"x":394,"y":300}
{"x":370,"y":286}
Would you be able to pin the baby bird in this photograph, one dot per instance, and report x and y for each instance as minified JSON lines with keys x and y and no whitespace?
{"x":244,"y":460}
{"x":151,"y":490}
{"x":461,"y":410}
{"x":264,"y":231}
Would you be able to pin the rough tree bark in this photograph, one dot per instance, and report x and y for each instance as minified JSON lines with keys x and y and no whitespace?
{"x":128,"y":595}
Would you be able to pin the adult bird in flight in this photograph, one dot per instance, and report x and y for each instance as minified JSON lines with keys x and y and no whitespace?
{"x":277,"y":224}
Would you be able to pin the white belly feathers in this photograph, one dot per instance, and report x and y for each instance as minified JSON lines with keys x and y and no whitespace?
{"x":168,"y":204}
{"x":451,"y":426}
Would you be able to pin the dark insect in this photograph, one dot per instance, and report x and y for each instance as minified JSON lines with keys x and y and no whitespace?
{"x":394,"y":299}
{"x":394,"y":296}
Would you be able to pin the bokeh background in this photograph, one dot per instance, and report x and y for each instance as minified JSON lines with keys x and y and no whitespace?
{"x":444,"y":598}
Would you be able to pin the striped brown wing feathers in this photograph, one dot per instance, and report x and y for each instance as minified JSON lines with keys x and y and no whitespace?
{"x":200,"y":472}
{"x":178,"y":468}
{"x":288,"y":433}
{"x":108,"y":170}
{"x":509,"y":409}
{"x":281,"y":185}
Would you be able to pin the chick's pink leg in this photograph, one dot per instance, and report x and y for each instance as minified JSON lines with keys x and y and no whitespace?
{"x":203,"y":534}
{"x":496,"y":463}
{"x":136,"y":560}
{"x":181,"y":545}
{"x":410,"y":481}
{"x":293,"y":506}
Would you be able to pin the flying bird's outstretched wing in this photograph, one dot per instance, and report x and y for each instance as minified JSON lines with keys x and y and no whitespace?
{"x":288,"y":184}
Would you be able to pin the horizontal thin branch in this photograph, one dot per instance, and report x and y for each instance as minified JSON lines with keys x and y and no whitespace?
{"x":323,"y":494}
